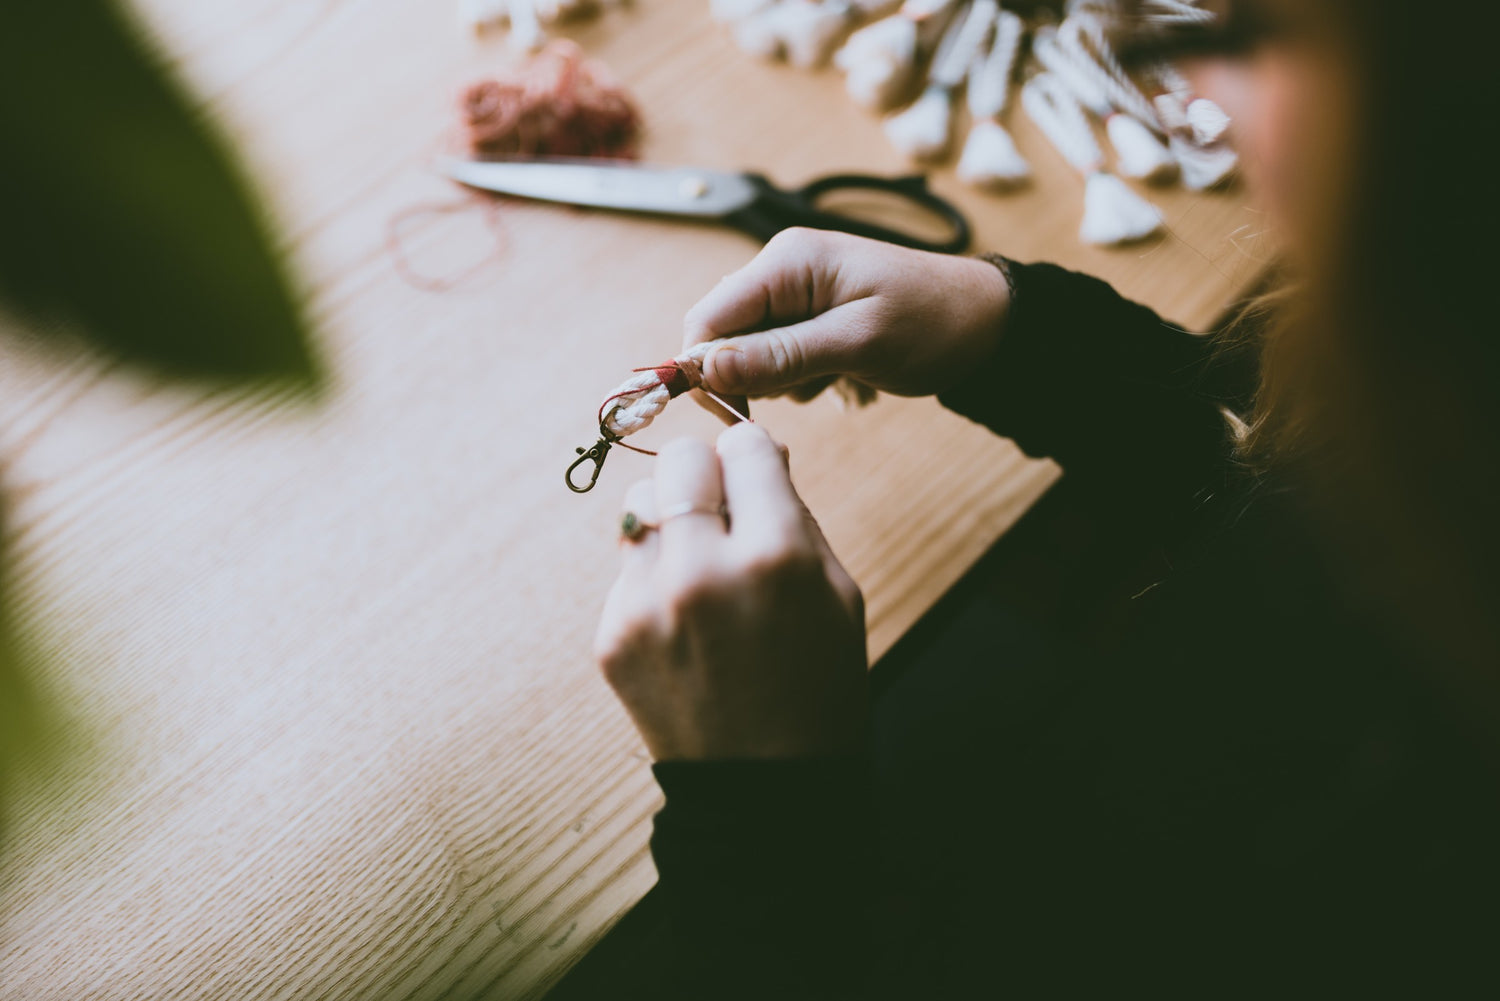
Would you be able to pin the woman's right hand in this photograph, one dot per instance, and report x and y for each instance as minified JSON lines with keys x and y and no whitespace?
{"x":816,"y":305}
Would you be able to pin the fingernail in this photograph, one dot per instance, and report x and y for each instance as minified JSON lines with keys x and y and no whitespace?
{"x":725,"y":365}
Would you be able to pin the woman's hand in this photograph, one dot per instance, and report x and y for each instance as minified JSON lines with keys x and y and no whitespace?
{"x":816,"y":305}
{"x":734,"y":636}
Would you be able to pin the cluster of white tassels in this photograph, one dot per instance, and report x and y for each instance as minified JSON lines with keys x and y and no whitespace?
{"x":1196,"y":131}
{"x":973,"y":47}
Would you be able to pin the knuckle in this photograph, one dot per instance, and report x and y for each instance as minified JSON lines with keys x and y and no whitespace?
{"x":796,"y":238}
{"x":684,"y":462}
{"x":743,"y":439}
{"x":691,"y":597}
{"x":787,"y":355}
{"x":638,"y":492}
{"x":785,"y":561}
{"x":618,"y":649}
{"x":680,"y":449}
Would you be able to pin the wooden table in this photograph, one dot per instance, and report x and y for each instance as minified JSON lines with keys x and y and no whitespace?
{"x":336,"y":730}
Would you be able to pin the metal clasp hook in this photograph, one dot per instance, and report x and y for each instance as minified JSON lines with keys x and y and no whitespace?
{"x":595,"y":454}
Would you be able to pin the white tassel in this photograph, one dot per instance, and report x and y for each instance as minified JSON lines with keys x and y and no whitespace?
{"x":808,"y":30}
{"x":479,"y":13}
{"x":924,"y":130}
{"x":878,"y":61}
{"x":1138,"y":153}
{"x":1112,"y":213}
{"x":730,"y":11}
{"x":1203,"y":166}
{"x":525,"y":29}
{"x":1207,"y":120}
{"x":990,"y":158}
{"x":552,"y":11}
{"x":759,"y":34}
{"x":919,"y":10}
{"x":1170,"y":112}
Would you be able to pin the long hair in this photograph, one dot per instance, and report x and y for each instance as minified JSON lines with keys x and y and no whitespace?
{"x":1380,"y":379}
{"x":1380,"y":358}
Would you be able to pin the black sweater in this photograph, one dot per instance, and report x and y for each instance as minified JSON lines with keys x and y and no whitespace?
{"x":1244,"y":785}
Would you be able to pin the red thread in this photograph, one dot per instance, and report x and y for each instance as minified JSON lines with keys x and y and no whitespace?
{"x":676,"y":378}
{"x":671,"y":375}
{"x":559,"y":104}
{"x":442,"y":283}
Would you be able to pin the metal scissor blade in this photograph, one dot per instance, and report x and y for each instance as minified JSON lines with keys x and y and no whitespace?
{"x":624,"y":186}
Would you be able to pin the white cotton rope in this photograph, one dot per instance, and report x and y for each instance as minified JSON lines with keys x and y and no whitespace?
{"x":1112,"y":213}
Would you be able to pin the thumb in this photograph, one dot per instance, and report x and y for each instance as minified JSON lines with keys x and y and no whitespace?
{"x":784,"y":357}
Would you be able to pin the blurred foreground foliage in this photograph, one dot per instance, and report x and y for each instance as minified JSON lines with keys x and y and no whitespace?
{"x":126,"y":222}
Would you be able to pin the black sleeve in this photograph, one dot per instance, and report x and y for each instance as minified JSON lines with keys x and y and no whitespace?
{"x":766,"y":871}
{"x":1106,"y":387}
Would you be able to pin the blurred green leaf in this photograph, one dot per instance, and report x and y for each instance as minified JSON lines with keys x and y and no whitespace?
{"x":122,"y":213}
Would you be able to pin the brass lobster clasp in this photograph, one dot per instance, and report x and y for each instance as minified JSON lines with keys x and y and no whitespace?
{"x":595,"y":453}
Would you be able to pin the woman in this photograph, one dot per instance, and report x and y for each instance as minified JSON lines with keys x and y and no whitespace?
{"x":1277,"y":764}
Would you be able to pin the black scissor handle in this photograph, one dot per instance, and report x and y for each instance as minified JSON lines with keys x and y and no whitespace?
{"x":776,"y":209}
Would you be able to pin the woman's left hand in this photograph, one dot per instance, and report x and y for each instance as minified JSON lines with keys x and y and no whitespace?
{"x":733,"y":636}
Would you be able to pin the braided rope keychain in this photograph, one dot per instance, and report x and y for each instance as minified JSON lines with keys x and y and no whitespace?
{"x":638,"y":401}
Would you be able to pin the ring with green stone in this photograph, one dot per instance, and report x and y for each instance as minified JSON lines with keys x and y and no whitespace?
{"x":632,"y":528}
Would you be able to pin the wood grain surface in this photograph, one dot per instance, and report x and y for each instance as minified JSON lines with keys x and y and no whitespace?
{"x":335,"y":729}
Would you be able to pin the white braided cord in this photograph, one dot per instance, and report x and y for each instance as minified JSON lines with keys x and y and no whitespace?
{"x":641,"y":398}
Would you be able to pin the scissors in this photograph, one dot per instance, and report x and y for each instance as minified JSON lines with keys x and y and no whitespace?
{"x":746,"y":201}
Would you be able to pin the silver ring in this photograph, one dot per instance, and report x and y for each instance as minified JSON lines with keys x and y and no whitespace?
{"x":687,"y":507}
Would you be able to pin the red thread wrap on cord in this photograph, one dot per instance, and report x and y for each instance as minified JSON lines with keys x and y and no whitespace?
{"x":678,"y":375}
